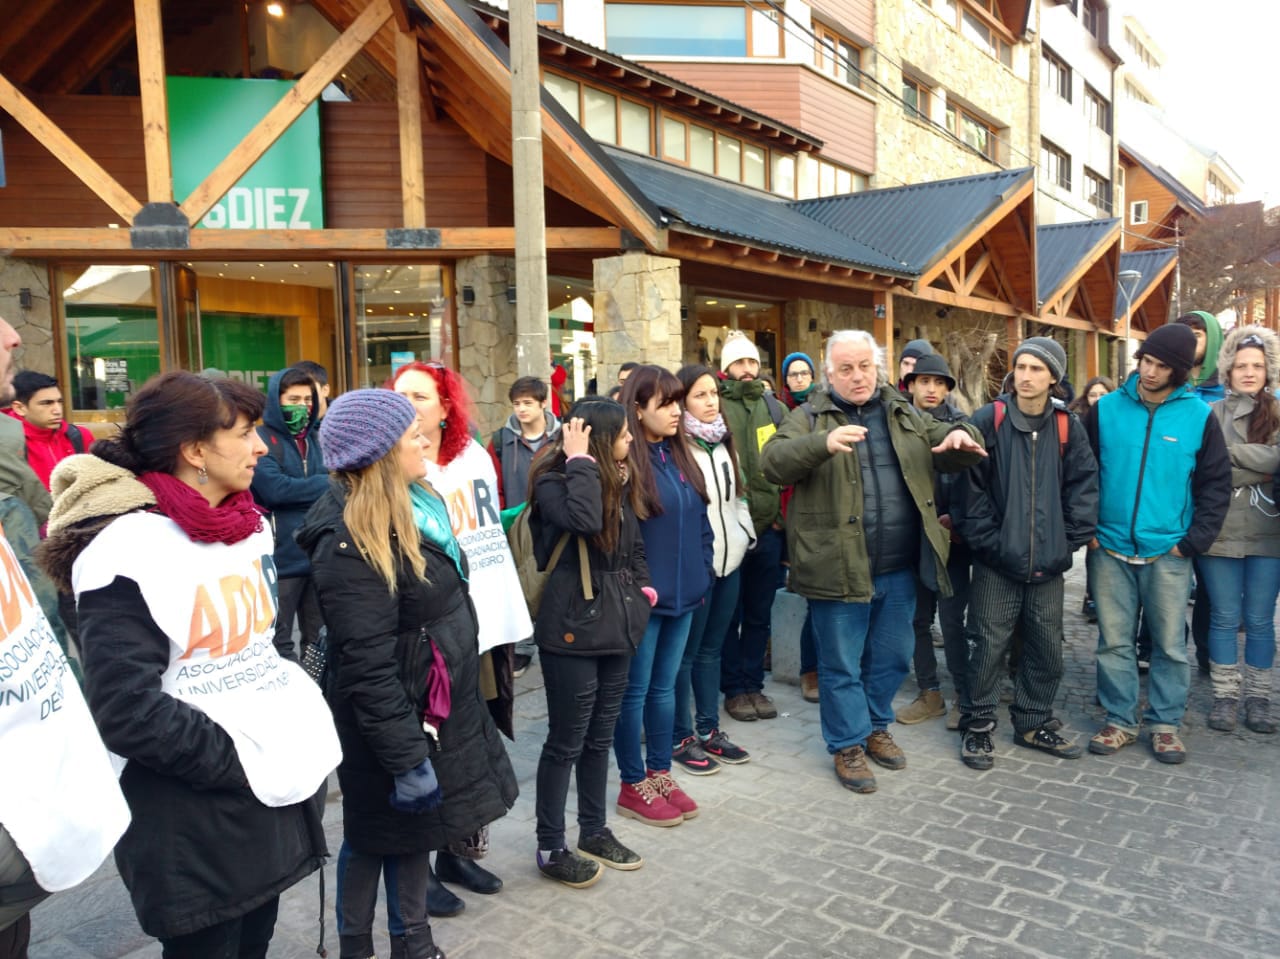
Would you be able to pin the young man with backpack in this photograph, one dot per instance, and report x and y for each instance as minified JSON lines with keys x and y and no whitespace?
{"x":50,"y":439}
{"x":1023,"y":512}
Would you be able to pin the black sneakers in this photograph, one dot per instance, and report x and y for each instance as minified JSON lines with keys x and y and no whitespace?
{"x":1047,"y":740}
{"x":976,"y":749}
{"x":693,"y":759}
{"x":563,"y":866}
{"x":604,"y":847}
{"x":718,"y":745}
{"x":521,"y":664}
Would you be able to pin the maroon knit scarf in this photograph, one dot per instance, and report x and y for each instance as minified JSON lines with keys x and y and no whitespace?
{"x":236,"y":518}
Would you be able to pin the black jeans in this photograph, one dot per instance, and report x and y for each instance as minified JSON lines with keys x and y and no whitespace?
{"x":15,"y":938}
{"x":405,"y":878}
{"x":951,"y":611}
{"x":584,"y":697}
{"x":296,"y":597}
{"x":245,"y":937}
{"x":742,"y":656}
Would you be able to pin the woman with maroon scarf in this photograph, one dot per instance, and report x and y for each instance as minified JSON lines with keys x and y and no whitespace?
{"x":226,"y":745}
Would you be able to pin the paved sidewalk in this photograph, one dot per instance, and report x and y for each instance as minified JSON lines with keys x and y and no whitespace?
{"x":1105,"y":858}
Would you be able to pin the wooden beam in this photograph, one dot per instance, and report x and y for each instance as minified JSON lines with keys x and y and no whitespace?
{"x":400,"y":11}
{"x":947,"y":298}
{"x":1007,"y":207}
{"x":269,"y":129}
{"x":75,"y":159}
{"x":976,"y":271}
{"x":290,"y":244}
{"x":413,"y":196}
{"x":18,"y":23}
{"x":882,"y":322}
{"x":155,"y":101}
{"x":68,"y":18}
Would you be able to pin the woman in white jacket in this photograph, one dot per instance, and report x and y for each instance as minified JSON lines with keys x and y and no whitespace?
{"x":700,"y":746}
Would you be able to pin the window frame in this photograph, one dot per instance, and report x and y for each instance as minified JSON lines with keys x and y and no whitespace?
{"x":1097,"y":109}
{"x":751,"y":11}
{"x":1133,"y":213}
{"x":923,"y":108}
{"x":1091,"y":18}
{"x":1001,"y":40}
{"x":1055,"y":73}
{"x":558,"y":22}
{"x":850,"y":71}
{"x":1057,"y":172}
{"x":957,"y":114}
{"x":1097,"y":189}
{"x":618,"y":99}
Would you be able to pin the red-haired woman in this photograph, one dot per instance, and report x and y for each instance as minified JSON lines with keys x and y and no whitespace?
{"x":460,"y":470}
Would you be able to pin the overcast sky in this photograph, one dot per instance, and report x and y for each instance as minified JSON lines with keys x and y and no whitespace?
{"x":1220,"y":79}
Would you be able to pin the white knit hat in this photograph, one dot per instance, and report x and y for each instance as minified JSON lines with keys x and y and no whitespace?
{"x":737,"y":347}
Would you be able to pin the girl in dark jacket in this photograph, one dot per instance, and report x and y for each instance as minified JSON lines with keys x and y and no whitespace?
{"x":672,"y":507}
{"x":227,"y":745}
{"x":422,"y":762}
{"x":582,"y":505}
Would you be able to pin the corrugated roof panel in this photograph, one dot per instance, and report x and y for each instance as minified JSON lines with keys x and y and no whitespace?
{"x":916,"y":224}
{"x":1150,"y":263}
{"x":729,"y":210}
{"x":1061,"y":246}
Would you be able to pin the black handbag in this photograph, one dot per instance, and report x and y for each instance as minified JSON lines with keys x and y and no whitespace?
{"x":315,"y":657}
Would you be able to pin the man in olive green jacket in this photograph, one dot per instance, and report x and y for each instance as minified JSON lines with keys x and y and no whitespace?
{"x":861,"y":527}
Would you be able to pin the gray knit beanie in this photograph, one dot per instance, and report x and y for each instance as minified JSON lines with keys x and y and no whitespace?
{"x":363,"y":426}
{"x":1048,"y":351}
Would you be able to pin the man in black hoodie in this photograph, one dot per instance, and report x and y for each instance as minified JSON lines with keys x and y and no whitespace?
{"x":1023,"y":511}
{"x":287,"y":481}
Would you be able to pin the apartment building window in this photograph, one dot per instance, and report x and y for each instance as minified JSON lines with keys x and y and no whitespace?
{"x":1217,"y":191}
{"x":972,"y":130}
{"x":1055,"y":164}
{"x":1097,"y":109}
{"x":782,"y":174}
{"x":1055,"y":75}
{"x":1138,"y":212}
{"x":550,"y":14}
{"x":1097,"y":189}
{"x":1140,"y":49}
{"x":1133,"y":92}
{"x":915,"y":98}
{"x":836,"y":56}
{"x":692,"y":29}
{"x":703,"y":149}
{"x":608,"y":117}
{"x":1091,"y":17}
{"x":980,"y":21}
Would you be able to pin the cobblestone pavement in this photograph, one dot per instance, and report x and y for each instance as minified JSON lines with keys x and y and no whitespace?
{"x":1104,"y":858}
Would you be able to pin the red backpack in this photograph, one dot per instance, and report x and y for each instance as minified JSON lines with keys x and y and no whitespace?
{"x":1062,"y":416}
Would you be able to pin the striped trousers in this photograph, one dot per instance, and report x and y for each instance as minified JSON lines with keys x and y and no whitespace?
{"x":999,"y":609}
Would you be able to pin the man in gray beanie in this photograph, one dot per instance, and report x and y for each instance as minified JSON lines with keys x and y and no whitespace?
{"x":1023,"y":511}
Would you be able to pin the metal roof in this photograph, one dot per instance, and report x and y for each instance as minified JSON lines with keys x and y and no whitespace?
{"x":728,"y":210}
{"x":916,"y":224}
{"x":1060,"y":247}
{"x":1151,"y":264}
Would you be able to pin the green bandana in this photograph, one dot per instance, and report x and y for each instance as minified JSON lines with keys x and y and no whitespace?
{"x":296,"y":419}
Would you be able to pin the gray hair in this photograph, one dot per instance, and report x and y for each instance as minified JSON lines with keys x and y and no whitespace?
{"x":859,"y":338}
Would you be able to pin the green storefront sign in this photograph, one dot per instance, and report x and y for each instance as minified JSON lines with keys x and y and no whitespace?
{"x":209,"y":116}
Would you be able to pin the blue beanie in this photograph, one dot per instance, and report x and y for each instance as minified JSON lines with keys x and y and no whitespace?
{"x":786,"y":364}
{"x":363,"y":426}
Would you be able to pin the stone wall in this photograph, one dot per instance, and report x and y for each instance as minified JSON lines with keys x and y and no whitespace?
{"x":35,"y":325}
{"x":487,"y":337}
{"x":637,"y":313}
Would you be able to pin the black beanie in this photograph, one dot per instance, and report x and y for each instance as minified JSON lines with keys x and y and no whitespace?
{"x":1173,"y":344}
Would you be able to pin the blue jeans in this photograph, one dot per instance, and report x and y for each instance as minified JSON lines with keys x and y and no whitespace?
{"x":1160,"y":590}
{"x":650,"y":698}
{"x":1241,"y":590}
{"x":742,"y":660}
{"x":699,"y":676}
{"x":864,"y":653}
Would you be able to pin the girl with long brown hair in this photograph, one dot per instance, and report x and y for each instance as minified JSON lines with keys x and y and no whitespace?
{"x":672,"y":506}
{"x":583,"y":507}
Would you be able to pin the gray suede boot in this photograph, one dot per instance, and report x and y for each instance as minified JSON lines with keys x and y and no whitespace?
{"x":1257,"y":700}
{"x":1226,"y":696}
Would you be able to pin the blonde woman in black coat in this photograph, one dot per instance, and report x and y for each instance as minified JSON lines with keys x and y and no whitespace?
{"x":423,"y":764}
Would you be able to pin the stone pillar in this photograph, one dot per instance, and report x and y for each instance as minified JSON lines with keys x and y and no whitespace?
{"x":34,"y":325}
{"x":487,"y":336}
{"x":637,"y":313}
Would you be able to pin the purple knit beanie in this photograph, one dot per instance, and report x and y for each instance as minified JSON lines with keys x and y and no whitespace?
{"x":363,"y":426}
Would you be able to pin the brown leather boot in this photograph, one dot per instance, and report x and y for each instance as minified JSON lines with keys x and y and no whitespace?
{"x":809,"y":687}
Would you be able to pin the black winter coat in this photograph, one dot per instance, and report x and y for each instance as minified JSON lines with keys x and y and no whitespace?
{"x":1030,"y":505}
{"x":568,"y":500}
{"x":201,"y":848}
{"x":379,"y":658}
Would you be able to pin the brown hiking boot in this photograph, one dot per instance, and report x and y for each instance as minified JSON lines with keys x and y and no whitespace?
{"x":740,"y":708}
{"x":852,"y":770}
{"x":882,"y":748}
{"x":928,"y":705}
{"x":809,"y":687}
{"x":763,"y":705}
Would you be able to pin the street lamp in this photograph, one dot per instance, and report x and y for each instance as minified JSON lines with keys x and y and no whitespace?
{"x":1129,"y":280}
